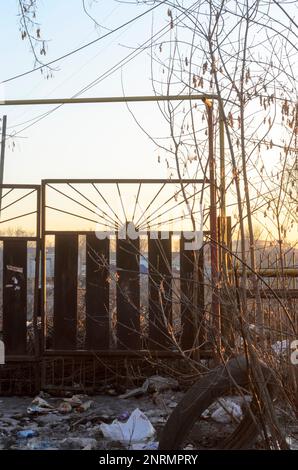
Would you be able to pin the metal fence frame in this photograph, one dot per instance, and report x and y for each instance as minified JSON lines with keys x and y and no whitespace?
{"x":44,"y":233}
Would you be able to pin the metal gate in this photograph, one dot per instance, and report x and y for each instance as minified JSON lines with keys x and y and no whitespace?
{"x":82,"y":295}
{"x":110,"y":294}
{"x":20,"y":257}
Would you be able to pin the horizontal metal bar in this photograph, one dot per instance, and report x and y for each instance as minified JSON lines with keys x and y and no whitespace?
{"x":21,"y":358}
{"x":29,"y":239}
{"x":111,"y":99}
{"x":282,"y":293}
{"x":125,"y":181}
{"x":110,"y":353}
{"x":20,"y":186}
{"x":85,"y":232}
{"x":68,"y":232}
{"x":269,"y":272}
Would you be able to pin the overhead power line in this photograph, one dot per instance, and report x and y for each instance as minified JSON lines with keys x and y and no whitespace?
{"x":124,"y":61}
{"x":78,"y":49}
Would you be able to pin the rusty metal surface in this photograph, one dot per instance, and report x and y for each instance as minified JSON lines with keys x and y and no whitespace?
{"x":97,"y":292}
{"x":126,"y":181}
{"x":160,"y":291}
{"x":15,"y":251}
{"x":128,"y":294}
{"x":281,"y":293}
{"x":65,"y":291}
{"x":192,"y":298}
{"x":15,"y":296}
{"x":64,"y":322}
{"x":21,"y":186}
{"x":206,"y":353}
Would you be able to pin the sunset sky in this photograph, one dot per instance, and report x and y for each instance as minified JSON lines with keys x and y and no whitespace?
{"x":82,"y":141}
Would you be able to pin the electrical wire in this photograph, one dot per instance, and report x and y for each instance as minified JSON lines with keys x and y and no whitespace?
{"x":78,"y":49}
{"x":128,"y":58}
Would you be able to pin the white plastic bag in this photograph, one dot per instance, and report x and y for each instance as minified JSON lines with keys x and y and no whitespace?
{"x":227,"y":411}
{"x":136,"y":429}
{"x":281,"y":347}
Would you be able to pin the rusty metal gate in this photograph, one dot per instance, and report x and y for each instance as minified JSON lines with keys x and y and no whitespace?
{"x":109,"y":295}
{"x":80,"y":300}
{"x":82,"y":295}
{"x":20,"y":256}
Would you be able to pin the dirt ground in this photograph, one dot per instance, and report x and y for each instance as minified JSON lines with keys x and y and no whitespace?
{"x":57,"y":428}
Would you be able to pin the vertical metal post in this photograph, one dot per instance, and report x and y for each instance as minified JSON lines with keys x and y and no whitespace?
{"x":3,"y":140}
{"x":222,"y":232}
{"x":37,"y":303}
{"x":222,"y":164}
{"x":43,"y":279}
{"x":215,"y":309}
{"x":43,"y":266}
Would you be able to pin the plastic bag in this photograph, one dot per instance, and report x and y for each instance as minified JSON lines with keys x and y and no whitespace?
{"x":136,"y":429}
{"x":227,"y":411}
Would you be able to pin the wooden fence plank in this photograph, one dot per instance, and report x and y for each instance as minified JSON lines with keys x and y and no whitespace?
{"x":128,"y":294}
{"x":97,"y":292}
{"x":65,"y":291}
{"x":192,"y":300}
{"x":160,"y":291}
{"x":15,"y":296}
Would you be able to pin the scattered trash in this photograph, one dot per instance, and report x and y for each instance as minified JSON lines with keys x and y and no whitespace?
{"x":88,"y":447}
{"x":39,"y":406}
{"x":152,"y":445}
{"x":233,"y":402}
{"x":136,"y":429}
{"x":189,"y":447}
{"x":206,"y":414}
{"x":26,"y":433}
{"x":37,"y":410}
{"x":156,"y":383}
{"x":74,"y":401}
{"x":105,"y":422}
{"x":136,"y":392}
{"x":38,"y":401}
{"x":156,"y":418}
{"x":84,"y":406}
{"x":43,"y":394}
{"x":36,"y":444}
{"x":292,"y":442}
{"x":227,"y":411}
{"x":124,"y":416}
{"x":65,"y":407}
{"x":281,"y":347}
{"x":172,"y":404}
{"x":84,"y":443}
